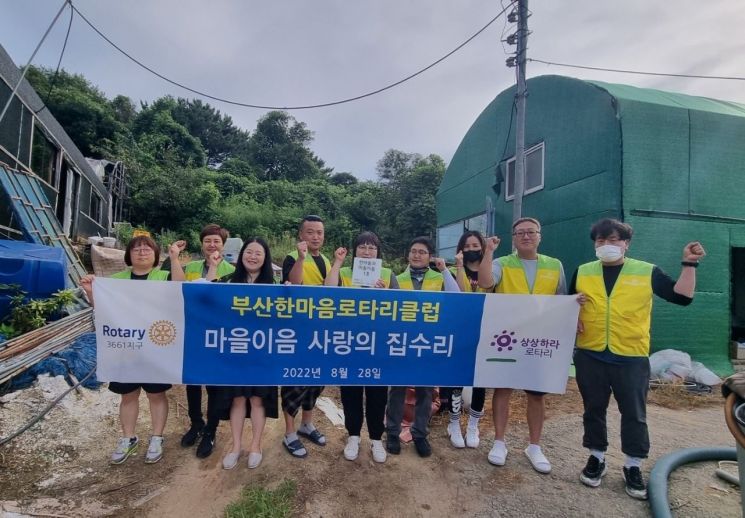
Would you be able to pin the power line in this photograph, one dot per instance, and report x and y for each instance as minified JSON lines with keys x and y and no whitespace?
{"x":638,"y":72}
{"x":59,"y":63}
{"x":33,"y":54}
{"x":305,"y":107}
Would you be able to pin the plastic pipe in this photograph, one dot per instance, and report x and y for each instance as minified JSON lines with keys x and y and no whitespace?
{"x":658,"y":501}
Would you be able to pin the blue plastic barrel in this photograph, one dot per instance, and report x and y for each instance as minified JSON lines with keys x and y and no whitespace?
{"x":39,"y":270}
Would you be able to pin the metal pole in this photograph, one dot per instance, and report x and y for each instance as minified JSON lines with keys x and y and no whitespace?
{"x":520,"y":100}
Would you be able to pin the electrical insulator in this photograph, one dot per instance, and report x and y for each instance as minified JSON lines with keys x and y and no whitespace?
{"x":512,"y":17}
{"x":511,"y":61}
{"x":512,"y":39}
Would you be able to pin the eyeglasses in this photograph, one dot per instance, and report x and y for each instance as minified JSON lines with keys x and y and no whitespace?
{"x":370,"y":248}
{"x":528,"y":233}
{"x":251,"y":253}
{"x":416,"y":251}
{"x":143,"y":251}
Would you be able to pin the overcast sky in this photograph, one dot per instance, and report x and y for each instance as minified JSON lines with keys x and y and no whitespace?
{"x":298,"y":52}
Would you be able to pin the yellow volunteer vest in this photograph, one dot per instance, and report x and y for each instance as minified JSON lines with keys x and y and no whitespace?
{"x":194,"y":269}
{"x":515,"y":282}
{"x":345,"y":276}
{"x":432,"y":281}
{"x":311,"y":274}
{"x":463,"y":280}
{"x":621,"y":321}
{"x":154,"y":275}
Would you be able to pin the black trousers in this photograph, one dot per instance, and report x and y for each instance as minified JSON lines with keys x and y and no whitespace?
{"x":194,"y":404}
{"x":374,"y":409}
{"x":454,"y":397}
{"x":629,"y":383}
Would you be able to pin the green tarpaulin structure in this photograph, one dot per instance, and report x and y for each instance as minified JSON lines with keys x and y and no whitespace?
{"x":671,"y":165}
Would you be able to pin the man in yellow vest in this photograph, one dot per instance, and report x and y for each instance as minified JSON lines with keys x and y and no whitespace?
{"x":213,"y":239}
{"x":523,"y":272}
{"x":612,"y":350}
{"x":308,"y":266}
{"x":417,"y":276}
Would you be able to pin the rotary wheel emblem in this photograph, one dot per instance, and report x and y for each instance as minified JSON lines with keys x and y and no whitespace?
{"x":162,"y":332}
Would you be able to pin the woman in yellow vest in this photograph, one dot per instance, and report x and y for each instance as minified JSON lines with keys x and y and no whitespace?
{"x":254,"y":267}
{"x":365,"y":246}
{"x":142,"y":257}
{"x":468,"y":255}
{"x":523,"y":272}
{"x":212,"y":238}
{"x":417,"y":276}
{"x":612,"y":349}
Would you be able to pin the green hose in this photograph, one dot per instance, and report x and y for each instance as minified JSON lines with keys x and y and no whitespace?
{"x":658,"y":501}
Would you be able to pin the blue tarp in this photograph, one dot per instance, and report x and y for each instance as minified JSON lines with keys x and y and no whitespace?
{"x":79,"y":357}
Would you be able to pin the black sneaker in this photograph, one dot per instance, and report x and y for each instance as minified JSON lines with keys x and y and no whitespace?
{"x":393,"y":444}
{"x":190,"y":437}
{"x":422,"y":446}
{"x":593,"y":473}
{"x":204,"y":449}
{"x":635,"y":486}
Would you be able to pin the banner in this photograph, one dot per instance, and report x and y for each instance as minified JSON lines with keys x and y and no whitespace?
{"x":258,"y":334}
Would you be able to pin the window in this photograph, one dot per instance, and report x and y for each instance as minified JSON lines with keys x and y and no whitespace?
{"x":447,"y":239}
{"x":43,"y":157}
{"x":477,"y":223}
{"x":95,"y":207}
{"x":448,"y":236}
{"x":16,"y":127}
{"x":533,"y":172}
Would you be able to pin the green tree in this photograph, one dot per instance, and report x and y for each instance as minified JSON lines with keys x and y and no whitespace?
{"x":81,"y":108}
{"x":168,"y":141}
{"x":345,"y":179}
{"x":279,"y":149}
{"x":219,"y":137}
{"x":177,"y":199}
{"x":409,"y":188}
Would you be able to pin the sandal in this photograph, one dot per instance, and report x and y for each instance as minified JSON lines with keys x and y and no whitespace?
{"x":295,"y":448}
{"x":315,"y":437}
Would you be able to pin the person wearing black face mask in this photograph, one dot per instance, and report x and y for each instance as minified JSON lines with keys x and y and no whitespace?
{"x":469,"y":252}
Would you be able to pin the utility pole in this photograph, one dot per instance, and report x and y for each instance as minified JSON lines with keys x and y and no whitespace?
{"x":520,"y":100}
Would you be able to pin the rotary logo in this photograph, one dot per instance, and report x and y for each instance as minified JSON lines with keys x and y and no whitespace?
{"x":162,"y":332}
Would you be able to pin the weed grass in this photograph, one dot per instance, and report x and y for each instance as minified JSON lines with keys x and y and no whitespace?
{"x":259,"y":502}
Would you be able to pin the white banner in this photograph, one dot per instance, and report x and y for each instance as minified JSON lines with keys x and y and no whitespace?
{"x":243,"y":334}
{"x":139,"y":330}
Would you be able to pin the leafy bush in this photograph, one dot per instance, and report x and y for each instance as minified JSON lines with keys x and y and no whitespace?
{"x":27,"y":315}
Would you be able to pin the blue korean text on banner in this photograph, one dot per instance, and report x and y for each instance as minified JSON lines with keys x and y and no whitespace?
{"x":269,"y":335}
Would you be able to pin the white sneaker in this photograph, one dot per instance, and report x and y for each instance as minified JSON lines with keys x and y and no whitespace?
{"x":472,"y":437}
{"x":538,"y":459}
{"x":124,"y":448}
{"x":230,"y":460}
{"x":154,"y":450}
{"x":254,"y":459}
{"x":352,"y":449}
{"x":378,"y":451}
{"x":498,"y":454}
{"x":456,"y":437}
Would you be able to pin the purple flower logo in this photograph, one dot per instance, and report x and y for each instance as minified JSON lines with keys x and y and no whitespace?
{"x":504,"y":340}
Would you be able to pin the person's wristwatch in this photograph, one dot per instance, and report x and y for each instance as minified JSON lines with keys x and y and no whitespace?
{"x":692,"y":264}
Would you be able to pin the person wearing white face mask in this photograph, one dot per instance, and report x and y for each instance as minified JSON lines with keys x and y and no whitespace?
{"x":612,"y":348}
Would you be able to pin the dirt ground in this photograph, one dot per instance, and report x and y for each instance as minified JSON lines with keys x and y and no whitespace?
{"x":60,"y":467}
